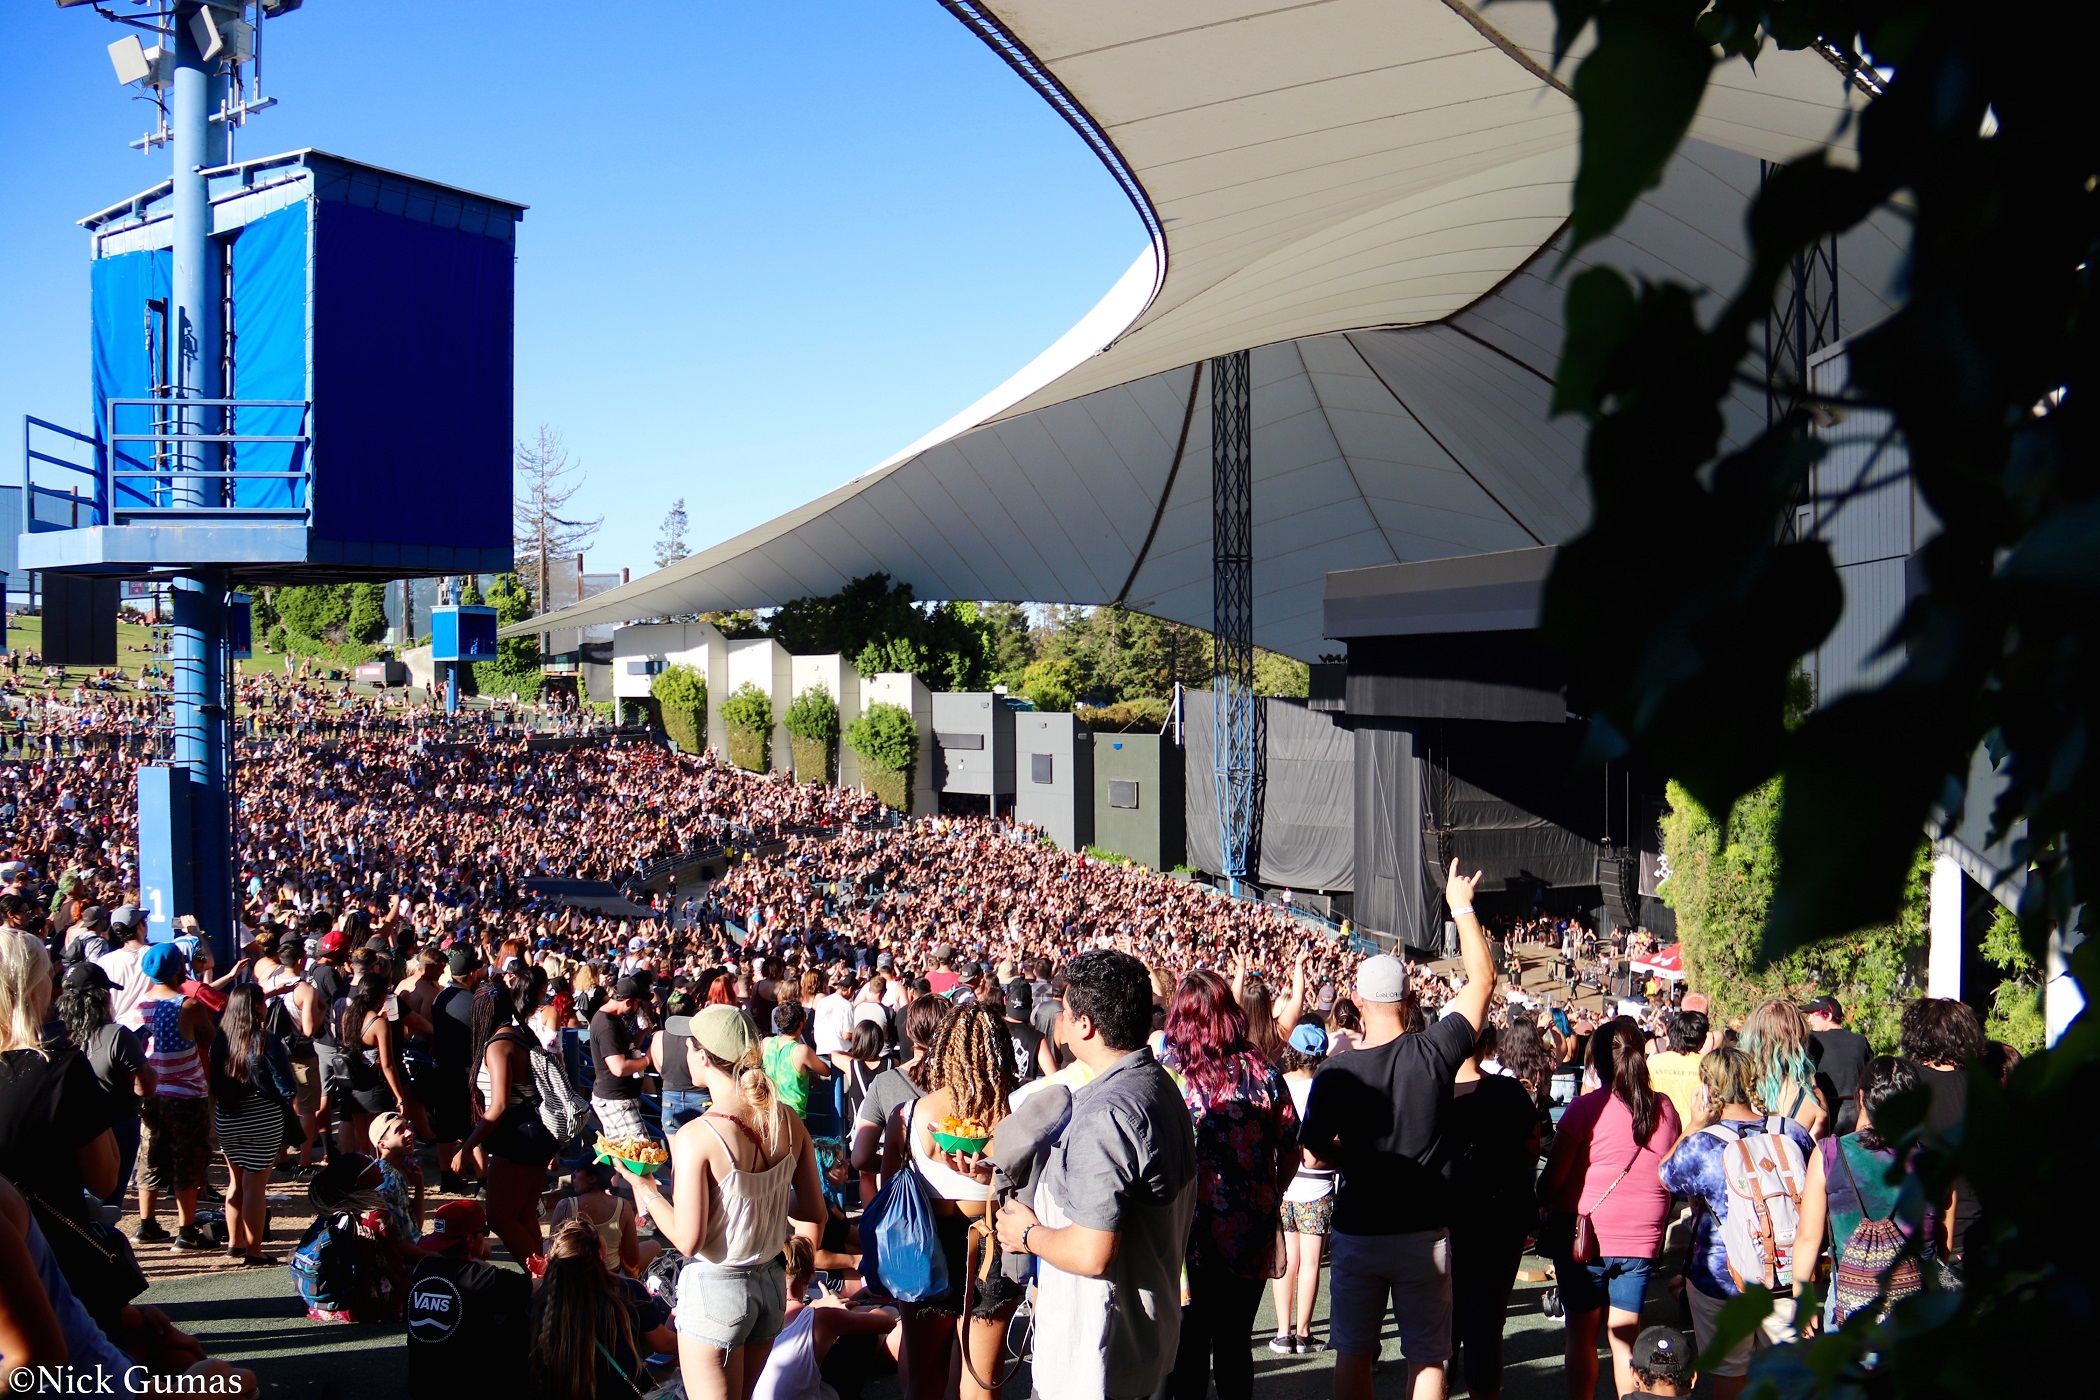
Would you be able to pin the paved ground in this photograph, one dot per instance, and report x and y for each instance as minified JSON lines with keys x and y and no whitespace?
{"x":252,"y":1317}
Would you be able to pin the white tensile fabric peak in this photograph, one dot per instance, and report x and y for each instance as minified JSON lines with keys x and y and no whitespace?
{"x":1372,"y":196}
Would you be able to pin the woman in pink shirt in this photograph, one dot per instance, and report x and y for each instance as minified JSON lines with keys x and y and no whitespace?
{"x":1604,"y":1166}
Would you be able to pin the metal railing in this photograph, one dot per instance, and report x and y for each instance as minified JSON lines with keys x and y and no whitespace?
{"x":68,"y":503}
{"x":140,"y":474}
{"x":159,"y":490}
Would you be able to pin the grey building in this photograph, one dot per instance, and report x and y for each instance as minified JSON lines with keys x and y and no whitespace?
{"x":1054,"y":776}
{"x":1138,"y":798}
{"x":973,"y":747}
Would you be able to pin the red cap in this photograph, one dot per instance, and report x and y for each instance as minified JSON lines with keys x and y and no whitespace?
{"x":332,"y":941}
{"x":458,"y":1221}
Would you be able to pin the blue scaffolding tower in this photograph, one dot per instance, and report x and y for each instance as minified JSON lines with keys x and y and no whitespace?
{"x":301,"y":374}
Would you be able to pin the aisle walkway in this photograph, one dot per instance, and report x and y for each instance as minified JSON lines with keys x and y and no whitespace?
{"x":253,"y":1317}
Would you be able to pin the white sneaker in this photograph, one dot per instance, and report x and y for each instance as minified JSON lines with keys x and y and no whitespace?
{"x":1281,"y":1344}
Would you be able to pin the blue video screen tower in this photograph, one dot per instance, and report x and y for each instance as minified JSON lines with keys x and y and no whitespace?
{"x":464,"y":633}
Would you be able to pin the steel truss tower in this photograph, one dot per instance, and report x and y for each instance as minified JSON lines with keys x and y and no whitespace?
{"x":1803,"y":321}
{"x":1236,"y":746}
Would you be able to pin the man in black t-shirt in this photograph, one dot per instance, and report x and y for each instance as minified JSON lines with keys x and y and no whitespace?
{"x":467,"y":1331}
{"x":451,"y":1040}
{"x":1378,"y":1113}
{"x":1841,"y":1058}
{"x":616,"y":1089}
{"x":1020,"y":1028}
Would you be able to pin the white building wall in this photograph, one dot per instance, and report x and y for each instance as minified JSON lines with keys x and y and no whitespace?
{"x":836,"y":674}
{"x":765,"y":663}
{"x":907,"y":692}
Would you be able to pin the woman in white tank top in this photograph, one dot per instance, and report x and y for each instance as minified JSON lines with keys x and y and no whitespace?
{"x":746,"y":1169}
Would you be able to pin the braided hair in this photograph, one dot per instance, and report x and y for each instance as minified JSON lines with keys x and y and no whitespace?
{"x":972,"y":1057}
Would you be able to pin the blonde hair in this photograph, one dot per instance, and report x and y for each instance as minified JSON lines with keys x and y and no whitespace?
{"x":1775,"y":1037}
{"x":755,"y":1091}
{"x":1728,"y":1076}
{"x":25,"y":991}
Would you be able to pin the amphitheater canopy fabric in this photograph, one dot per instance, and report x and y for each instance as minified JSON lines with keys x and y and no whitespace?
{"x":1371,"y":195}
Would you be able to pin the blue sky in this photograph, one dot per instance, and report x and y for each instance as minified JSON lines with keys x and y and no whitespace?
{"x":768,"y":245}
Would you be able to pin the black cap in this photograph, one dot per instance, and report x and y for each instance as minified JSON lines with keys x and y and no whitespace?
{"x":1020,"y":999}
{"x":1824,"y":1006}
{"x":86,"y":974}
{"x":630,"y":989}
{"x":1664,"y":1351}
{"x":462,"y":959}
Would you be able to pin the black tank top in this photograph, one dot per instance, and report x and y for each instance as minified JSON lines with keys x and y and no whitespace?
{"x":677,"y":1075}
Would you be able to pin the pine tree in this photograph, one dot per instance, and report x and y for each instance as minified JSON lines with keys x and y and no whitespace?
{"x":670,"y":540}
{"x":547,"y":480}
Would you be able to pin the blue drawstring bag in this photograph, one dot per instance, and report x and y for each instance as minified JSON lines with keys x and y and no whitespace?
{"x":902,"y":1254}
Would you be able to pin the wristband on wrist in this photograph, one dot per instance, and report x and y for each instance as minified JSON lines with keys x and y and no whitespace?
{"x":1460,"y":913}
{"x":1024,"y":1238}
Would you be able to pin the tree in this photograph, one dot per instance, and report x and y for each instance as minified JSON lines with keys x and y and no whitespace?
{"x":812,"y":723}
{"x":1720,"y":888}
{"x":670,"y":536}
{"x":1051,"y":685}
{"x":1283,"y":676}
{"x":681,"y":695}
{"x":470,"y":591}
{"x":314,"y":610}
{"x":365,"y":613}
{"x":517,"y":663}
{"x":547,"y":480}
{"x":1978,"y":130}
{"x":748,"y":716}
{"x":1009,"y":642}
{"x":736,"y":625}
{"x":887,"y":739}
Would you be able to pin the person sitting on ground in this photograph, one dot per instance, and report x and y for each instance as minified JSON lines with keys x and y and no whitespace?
{"x":1662,"y":1362}
{"x":795,"y":1366}
{"x":612,"y":1218}
{"x":592,"y":1328}
{"x":467,"y":1318}
{"x":401,"y":1175}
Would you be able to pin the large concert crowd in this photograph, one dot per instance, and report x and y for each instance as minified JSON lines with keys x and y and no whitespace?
{"x":922,"y":1097}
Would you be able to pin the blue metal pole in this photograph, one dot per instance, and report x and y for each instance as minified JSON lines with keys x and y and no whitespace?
{"x":201,"y":714}
{"x":198,"y":278}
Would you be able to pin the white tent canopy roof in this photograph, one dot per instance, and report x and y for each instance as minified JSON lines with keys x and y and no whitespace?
{"x":1369,"y":194}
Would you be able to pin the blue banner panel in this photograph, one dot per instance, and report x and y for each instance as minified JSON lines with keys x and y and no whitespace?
{"x":269,"y":353}
{"x":412,"y":381}
{"x":165,"y":868}
{"x":129,"y":346}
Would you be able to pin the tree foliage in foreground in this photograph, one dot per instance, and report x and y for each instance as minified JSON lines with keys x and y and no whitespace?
{"x":1980,"y":132}
{"x":1720,"y":887}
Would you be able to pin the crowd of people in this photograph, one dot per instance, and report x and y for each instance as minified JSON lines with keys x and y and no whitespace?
{"x":868,"y":1099}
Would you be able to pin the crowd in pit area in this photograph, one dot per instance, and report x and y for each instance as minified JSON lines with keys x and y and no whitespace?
{"x":1182,"y":1102}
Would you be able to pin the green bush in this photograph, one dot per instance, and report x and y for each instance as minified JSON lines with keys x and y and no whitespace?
{"x":1051,"y":685}
{"x":1146,"y":715}
{"x":681,"y":697}
{"x":1114,"y":857}
{"x":887,"y":739}
{"x":813,"y":726}
{"x":748,"y":716}
{"x":365,"y":614}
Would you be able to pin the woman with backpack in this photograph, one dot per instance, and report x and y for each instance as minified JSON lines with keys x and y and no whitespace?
{"x":509,"y":1127}
{"x":1747,"y":1169}
{"x":252,"y":1095}
{"x":1606,"y":1204}
{"x":1776,"y":1037}
{"x":1869,"y":1223}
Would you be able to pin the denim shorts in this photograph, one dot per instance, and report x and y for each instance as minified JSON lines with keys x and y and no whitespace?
{"x":1408,"y":1273}
{"x":1620,"y":1280}
{"x":726,"y":1308}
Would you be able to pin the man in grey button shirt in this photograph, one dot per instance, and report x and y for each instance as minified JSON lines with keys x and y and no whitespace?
{"x":1113,"y":1203}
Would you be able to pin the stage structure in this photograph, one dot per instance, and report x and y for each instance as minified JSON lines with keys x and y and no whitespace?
{"x":1232,"y":612}
{"x":301,"y":374}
